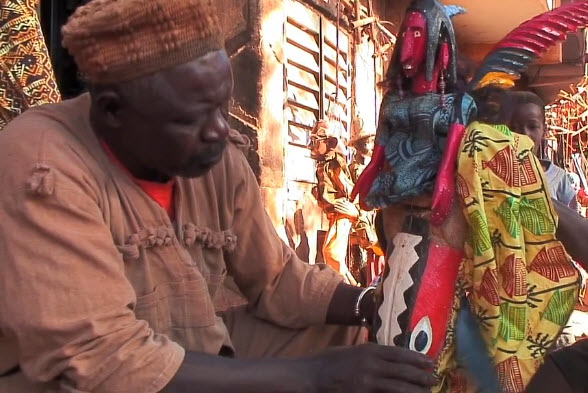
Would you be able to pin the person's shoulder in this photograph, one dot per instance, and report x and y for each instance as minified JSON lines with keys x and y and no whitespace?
{"x":559,"y":171}
{"x":41,"y":137}
{"x":564,"y":183}
{"x":481,"y":129}
{"x":237,"y":150}
{"x":239,"y":141}
{"x":233,"y":164}
{"x":44,"y":125}
{"x":574,"y":177}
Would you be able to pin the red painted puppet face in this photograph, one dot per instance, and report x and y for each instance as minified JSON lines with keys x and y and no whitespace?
{"x":414,"y":44}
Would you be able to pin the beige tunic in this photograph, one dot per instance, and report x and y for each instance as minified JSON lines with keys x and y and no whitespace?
{"x":99,"y":291}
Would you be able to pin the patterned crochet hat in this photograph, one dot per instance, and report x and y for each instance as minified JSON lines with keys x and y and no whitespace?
{"x":119,"y":40}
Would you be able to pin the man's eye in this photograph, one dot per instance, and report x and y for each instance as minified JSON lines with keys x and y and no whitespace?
{"x":417,"y":34}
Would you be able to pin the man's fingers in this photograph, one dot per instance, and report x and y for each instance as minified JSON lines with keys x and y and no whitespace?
{"x":394,"y":386}
{"x":404,"y":355}
{"x":404,"y":372}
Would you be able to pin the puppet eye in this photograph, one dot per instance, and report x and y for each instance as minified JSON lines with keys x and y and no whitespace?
{"x":421,"y":338}
{"x":417,"y":34}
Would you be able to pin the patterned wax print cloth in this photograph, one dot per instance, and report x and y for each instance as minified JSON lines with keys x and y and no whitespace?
{"x":518,"y":277}
{"x":26,"y":74}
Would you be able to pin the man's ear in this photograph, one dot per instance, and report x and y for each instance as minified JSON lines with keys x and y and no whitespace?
{"x":108,"y":105}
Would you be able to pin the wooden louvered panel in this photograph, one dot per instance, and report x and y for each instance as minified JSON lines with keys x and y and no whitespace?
{"x":300,"y":12}
{"x":299,"y":166}
{"x":302,"y":58}
{"x":297,"y":76}
{"x":303,"y":74}
{"x":330,"y":87}
{"x":298,"y":134}
{"x":311,"y":74}
{"x":330,"y":34}
{"x":331,"y":65}
{"x":330,"y":52}
{"x":300,"y":123}
{"x":300,"y":34}
{"x":303,"y":97}
{"x":335,"y":69}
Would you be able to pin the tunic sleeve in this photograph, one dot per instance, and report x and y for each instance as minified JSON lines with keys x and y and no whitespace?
{"x":64,"y":297}
{"x":280,"y":287}
{"x":566,"y":192}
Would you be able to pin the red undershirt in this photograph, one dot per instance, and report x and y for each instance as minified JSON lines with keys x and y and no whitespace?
{"x":162,"y":193}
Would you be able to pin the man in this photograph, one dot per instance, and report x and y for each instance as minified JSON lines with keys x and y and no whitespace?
{"x":124,"y":211}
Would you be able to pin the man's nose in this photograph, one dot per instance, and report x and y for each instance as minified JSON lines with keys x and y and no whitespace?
{"x":217,"y":128}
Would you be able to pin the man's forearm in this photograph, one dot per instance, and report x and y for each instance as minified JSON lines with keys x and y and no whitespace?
{"x":216,"y":374}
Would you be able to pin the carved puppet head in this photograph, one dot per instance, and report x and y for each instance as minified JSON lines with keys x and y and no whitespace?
{"x":426,"y":30}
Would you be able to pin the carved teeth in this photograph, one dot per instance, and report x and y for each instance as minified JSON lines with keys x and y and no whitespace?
{"x":397,"y":282}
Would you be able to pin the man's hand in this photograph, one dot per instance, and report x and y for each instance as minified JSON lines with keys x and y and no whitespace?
{"x":343,"y":206}
{"x":367,"y":368}
{"x":372,"y":368}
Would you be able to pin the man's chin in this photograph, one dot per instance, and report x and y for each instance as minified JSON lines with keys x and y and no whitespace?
{"x":193,"y":172}
{"x":199,"y":168}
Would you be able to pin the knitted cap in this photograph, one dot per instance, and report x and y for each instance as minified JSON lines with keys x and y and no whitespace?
{"x":119,"y":40}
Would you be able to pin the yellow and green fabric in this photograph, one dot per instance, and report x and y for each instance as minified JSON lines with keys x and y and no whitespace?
{"x":518,"y":277}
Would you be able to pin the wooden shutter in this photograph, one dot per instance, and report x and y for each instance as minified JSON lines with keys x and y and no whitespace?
{"x":310,"y":80}
{"x":304,"y":88}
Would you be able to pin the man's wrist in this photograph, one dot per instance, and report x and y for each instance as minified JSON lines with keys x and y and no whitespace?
{"x":363,"y":305}
{"x":342,"y":307}
{"x":368,"y":307}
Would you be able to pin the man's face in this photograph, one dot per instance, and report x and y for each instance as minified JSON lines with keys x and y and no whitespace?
{"x":528,"y":119}
{"x":175,"y":124}
{"x":414,"y":43}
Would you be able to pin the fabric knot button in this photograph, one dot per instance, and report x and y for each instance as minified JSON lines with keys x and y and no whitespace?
{"x":209,"y":238}
{"x":189,"y":234}
{"x":42,"y":181}
{"x":230,"y":241}
{"x":133,"y":239}
{"x":151,"y":237}
{"x":129,"y":251}
{"x":206,"y":237}
{"x":163,"y":237}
